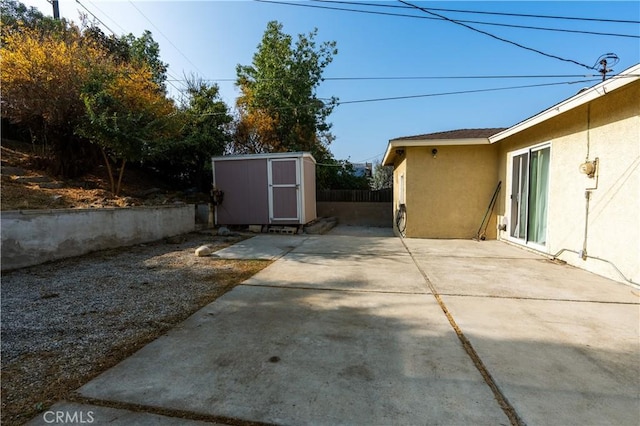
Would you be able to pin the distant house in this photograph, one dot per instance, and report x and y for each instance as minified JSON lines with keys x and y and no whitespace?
{"x":570,"y":180}
{"x":363,"y":169}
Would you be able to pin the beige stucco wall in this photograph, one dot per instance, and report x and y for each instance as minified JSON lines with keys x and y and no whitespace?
{"x":607,"y":128}
{"x":447,"y":196}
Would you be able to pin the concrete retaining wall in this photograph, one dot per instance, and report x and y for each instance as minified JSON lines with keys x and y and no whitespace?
{"x":30,"y":237}
{"x":357,"y":214}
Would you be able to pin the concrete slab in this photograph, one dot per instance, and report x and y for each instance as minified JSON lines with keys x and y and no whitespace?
{"x":361,"y":231}
{"x":357,"y":272}
{"x":295,"y":357}
{"x":467,"y":248}
{"x":341,"y":330}
{"x":350,"y":245}
{"x":75,"y":413}
{"x":563,"y":363}
{"x":535,"y":277}
{"x":262,"y":247}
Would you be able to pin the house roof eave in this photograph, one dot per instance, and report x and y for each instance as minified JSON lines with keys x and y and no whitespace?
{"x":584,"y":96}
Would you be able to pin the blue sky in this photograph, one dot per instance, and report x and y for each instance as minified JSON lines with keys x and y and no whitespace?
{"x":209,"y":38}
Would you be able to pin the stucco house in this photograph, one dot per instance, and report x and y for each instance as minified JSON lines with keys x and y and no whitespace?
{"x":570,"y":180}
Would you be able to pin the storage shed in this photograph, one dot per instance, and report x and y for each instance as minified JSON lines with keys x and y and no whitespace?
{"x":265,"y":189}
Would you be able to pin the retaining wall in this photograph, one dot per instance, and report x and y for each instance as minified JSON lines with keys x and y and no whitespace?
{"x":30,"y":237}
{"x":357,"y":213}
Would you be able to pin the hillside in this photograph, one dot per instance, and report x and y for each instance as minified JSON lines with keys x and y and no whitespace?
{"x":26,"y":187}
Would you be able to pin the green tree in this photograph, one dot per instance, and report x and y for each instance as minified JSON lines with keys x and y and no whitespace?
{"x":145,"y":49}
{"x":279,"y":108}
{"x":126,"y":114}
{"x":205,"y":121}
{"x":16,"y":15}
{"x":339,"y":174}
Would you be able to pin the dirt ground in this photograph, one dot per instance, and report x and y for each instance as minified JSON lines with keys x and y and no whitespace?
{"x":26,"y":187}
{"x":65,"y":322}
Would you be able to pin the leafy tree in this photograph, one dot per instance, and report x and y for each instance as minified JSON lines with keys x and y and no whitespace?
{"x":205,"y":132}
{"x":279,"y":109}
{"x":126,"y":114}
{"x":42,"y":74}
{"x":15,"y":14}
{"x":145,"y":49}
{"x":339,"y":174}
{"x":382,"y":177}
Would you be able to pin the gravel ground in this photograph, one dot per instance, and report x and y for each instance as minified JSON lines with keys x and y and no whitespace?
{"x":65,"y":322}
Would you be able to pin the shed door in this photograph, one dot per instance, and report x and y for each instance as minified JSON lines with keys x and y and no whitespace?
{"x":284,"y":190}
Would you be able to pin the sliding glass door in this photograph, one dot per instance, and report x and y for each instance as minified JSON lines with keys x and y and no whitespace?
{"x":530,"y":195}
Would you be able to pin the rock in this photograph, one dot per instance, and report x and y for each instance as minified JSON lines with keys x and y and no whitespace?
{"x":203,"y":251}
{"x":255,"y":229}
{"x":223,"y":231}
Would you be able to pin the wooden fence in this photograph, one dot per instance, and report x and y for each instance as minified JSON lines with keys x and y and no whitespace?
{"x":355,"y":196}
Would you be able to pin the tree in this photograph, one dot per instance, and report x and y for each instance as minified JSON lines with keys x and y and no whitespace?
{"x":279,"y":109}
{"x":339,"y":174}
{"x":382,"y":177}
{"x":205,"y":132}
{"x":15,"y":14}
{"x":42,"y":74}
{"x":145,"y":49}
{"x":126,"y":114}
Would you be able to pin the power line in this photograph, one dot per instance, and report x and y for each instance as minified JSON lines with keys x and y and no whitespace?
{"x":524,"y":15}
{"x":562,"y":30}
{"x":462,"y":92}
{"x":112,"y":20}
{"x":167,"y":38}
{"x":95,"y":17}
{"x":498,"y":38}
{"x":441,"y":77}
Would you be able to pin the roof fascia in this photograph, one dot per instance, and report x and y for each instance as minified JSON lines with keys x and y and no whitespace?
{"x":581,"y":98}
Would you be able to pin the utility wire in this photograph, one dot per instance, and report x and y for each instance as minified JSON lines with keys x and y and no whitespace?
{"x":441,"y":77}
{"x":498,"y":38}
{"x":524,"y":15}
{"x":111,"y":19}
{"x":167,"y":38}
{"x":95,"y":17}
{"x":462,"y":92}
{"x":439,"y":19}
{"x":115,"y":34}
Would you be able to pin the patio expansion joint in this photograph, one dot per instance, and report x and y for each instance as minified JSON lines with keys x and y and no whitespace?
{"x":159,"y":411}
{"x":501,"y":399}
{"x":540,"y":299}
{"x":339,"y":290}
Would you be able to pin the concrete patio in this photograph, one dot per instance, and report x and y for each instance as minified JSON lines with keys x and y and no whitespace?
{"x":350,"y":328}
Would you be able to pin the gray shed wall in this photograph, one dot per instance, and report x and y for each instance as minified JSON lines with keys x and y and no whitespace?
{"x":244,"y":183}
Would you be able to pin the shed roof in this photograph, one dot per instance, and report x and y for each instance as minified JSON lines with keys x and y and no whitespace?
{"x":270,"y":155}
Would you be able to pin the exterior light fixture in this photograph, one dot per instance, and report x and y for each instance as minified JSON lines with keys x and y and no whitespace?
{"x":434,"y":152}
